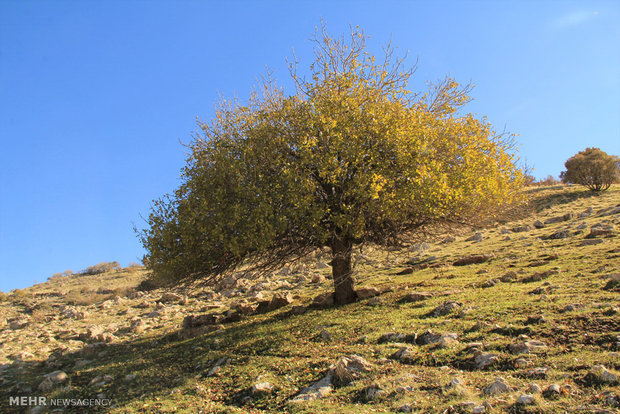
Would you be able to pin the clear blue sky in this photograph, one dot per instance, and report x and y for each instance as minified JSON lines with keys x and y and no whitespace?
{"x":95,"y":96}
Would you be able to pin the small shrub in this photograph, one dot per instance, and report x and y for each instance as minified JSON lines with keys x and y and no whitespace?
{"x":3,"y":297}
{"x":103,"y":267}
{"x":592,"y":168}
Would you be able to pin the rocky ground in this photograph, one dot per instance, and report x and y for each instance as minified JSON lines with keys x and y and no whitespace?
{"x":518,"y":317}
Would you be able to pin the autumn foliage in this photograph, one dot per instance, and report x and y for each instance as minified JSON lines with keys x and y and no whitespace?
{"x":352,"y":157}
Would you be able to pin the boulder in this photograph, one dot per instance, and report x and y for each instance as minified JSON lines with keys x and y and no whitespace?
{"x":526,"y":399}
{"x":527,"y":347}
{"x":349,"y":368}
{"x":483,"y":360}
{"x":280,"y":300}
{"x":324,"y":300}
{"x":599,"y":375}
{"x":317,"y":390}
{"x":559,"y":219}
{"x":476,"y":238}
{"x":601,"y":229}
{"x":417,"y":296}
{"x":261,"y":388}
{"x":367,"y":292}
{"x":473,"y":259}
{"x":499,"y":386}
{"x":446,"y":308}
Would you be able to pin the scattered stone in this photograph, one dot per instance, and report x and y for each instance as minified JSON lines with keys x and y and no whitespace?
{"x":367,"y":292}
{"x":261,"y":388}
{"x":587,"y":213}
{"x":319,"y":389}
{"x":416,"y":296}
{"x":170,"y":297}
{"x":561,"y":234}
{"x":535,"y":320}
{"x":374,"y":301}
{"x":18,"y":323}
{"x":324,"y":300}
{"x":599,"y":375}
{"x":591,"y":242}
{"x":538,"y":224}
{"x":552,"y":391}
{"x":476,"y":238}
{"x":520,"y":229}
{"x":318,"y":278}
{"x":527,"y":347}
{"x":539,"y":372}
{"x":71,"y":312}
{"x":349,"y":368}
{"x":404,"y":355}
{"x":196,"y":321}
{"x":137,"y":326}
{"x":279,"y":300}
{"x":526,"y":399}
{"x":406,"y":271}
{"x":448,"y":239}
{"x":483,"y":360}
{"x":490,"y":283}
{"x":474,"y":259}
{"x":395,"y":337}
{"x":499,"y":386}
{"x":510,"y":276}
{"x":601,"y":229}
{"x":559,"y":219}
{"x":446,"y":308}
{"x":537,"y":277}
{"x":373,"y":392}
{"x":534,"y":388}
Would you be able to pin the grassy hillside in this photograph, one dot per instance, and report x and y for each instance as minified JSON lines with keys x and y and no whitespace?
{"x":525,"y":330}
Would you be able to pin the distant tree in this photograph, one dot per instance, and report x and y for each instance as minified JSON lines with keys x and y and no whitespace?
{"x":592,"y":168}
{"x":353,"y":157}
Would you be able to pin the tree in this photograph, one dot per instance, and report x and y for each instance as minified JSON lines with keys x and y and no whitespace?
{"x":352,"y":157}
{"x":592,"y":168}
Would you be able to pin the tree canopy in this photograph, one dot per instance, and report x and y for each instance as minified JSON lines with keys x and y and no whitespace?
{"x":351,"y":157}
{"x":592,"y":168}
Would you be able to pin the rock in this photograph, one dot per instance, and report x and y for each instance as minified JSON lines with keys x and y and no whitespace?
{"x":561,"y":234}
{"x":404,"y":355}
{"x":46,"y":385}
{"x":137,"y":326}
{"x":539,"y":372}
{"x":526,"y":399}
{"x":299,"y":310}
{"x":448,"y":239}
{"x":591,"y":242}
{"x":538,"y":224}
{"x":367,"y":292}
{"x":520,"y":229}
{"x":537,"y":277}
{"x":375,"y":301}
{"x":319,"y":389}
{"x":456,"y":386}
{"x":534,"y":388}
{"x":406,"y":271}
{"x":261,"y":388}
{"x":373,"y":392}
{"x":601,"y":229}
{"x":395,"y":337}
{"x":349,"y":368}
{"x":406,"y":408}
{"x":552,"y":391}
{"x":599,"y":375}
{"x":483,"y":360}
{"x":324,"y":300}
{"x":71,"y":312}
{"x":559,"y":219}
{"x":170,"y":297}
{"x":527,"y":347}
{"x":318,"y":278}
{"x":326,"y":336}
{"x":446,"y":308}
{"x":476,"y":238}
{"x":196,"y":321}
{"x":535,"y":320}
{"x":490,"y":283}
{"x":587,"y":213}
{"x":18,"y":323}
{"x":416,"y":296}
{"x":499,"y":386}
{"x":473,"y":259}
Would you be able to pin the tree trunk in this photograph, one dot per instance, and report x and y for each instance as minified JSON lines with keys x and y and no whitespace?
{"x":341,"y":272}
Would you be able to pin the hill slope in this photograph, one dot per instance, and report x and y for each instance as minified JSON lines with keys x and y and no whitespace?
{"x":533,"y":326}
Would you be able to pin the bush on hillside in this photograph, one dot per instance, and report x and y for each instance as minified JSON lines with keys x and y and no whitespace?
{"x":102,"y":267}
{"x":592,"y":168}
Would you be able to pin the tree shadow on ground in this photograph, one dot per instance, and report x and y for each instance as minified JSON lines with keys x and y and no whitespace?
{"x":544,"y":202}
